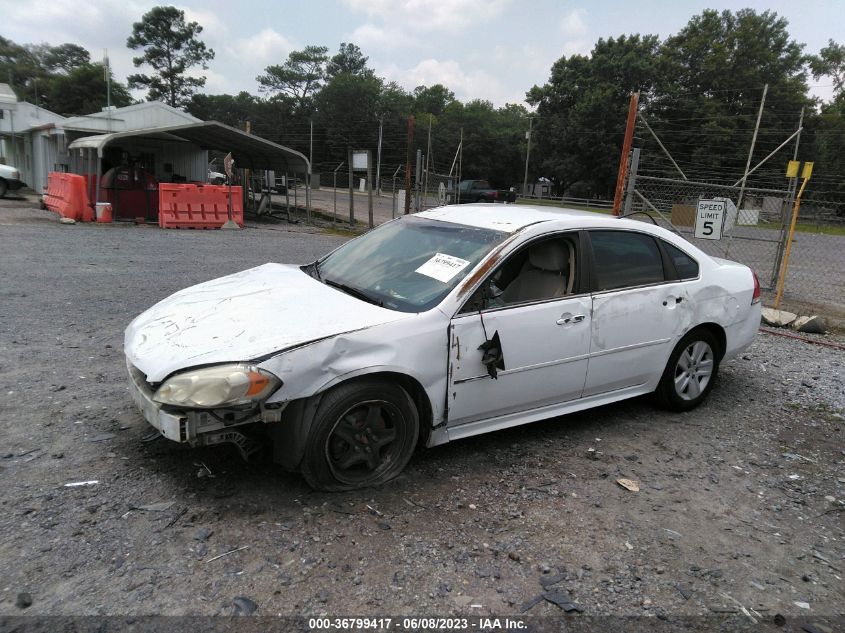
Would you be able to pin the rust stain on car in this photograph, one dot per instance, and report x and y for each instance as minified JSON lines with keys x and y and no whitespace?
{"x":494,"y":258}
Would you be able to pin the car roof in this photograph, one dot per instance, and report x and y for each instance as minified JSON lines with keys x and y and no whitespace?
{"x":510,"y":218}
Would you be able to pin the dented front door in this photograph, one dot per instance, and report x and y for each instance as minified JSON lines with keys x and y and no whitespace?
{"x":544,"y":347}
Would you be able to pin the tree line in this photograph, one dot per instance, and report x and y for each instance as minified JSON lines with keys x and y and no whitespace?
{"x":699,"y":91}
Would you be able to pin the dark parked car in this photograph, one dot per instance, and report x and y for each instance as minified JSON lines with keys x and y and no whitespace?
{"x":480,"y":191}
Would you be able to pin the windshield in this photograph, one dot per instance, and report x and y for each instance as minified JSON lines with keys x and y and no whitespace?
{"x":409,"y":264}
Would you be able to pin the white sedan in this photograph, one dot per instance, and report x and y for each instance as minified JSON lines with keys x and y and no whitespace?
{"x":434,"y":327}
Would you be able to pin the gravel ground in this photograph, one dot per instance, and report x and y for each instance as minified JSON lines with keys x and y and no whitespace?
{"x":739,"y":508}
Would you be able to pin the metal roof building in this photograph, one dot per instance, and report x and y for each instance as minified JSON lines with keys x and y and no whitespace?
{"x":167,"y":144}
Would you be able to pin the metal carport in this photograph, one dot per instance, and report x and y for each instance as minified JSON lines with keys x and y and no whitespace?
{"x":249,"y":151}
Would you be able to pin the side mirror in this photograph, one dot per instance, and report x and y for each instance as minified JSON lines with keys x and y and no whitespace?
{"x":489,"y":293}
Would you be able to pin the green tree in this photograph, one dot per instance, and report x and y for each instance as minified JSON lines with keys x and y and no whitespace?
{"x":830,"y":62}
{"x":394,"y":101}
{"x":827,"y":128}
{"x":707,"y":101}
{"x":228,"y":109}
{"x":171,"y":48}
{"x":348,"y":61}
{"x":581,"y":113}
{"x":65,"y":58}
{"x":299,"y":78}
{"x":60,"y":78}
{"x":83,"y":91}
{"x":21,"y":67}
{"x":347,"y":110}
{"x":432,"y":99}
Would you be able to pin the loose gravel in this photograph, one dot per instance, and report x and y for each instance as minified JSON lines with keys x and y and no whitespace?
{"x":739,"y":510}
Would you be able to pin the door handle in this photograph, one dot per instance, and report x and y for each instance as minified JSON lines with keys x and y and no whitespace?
{"x":566,"y":320}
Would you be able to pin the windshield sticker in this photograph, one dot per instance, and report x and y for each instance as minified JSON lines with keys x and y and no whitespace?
{"x":442,"y":267}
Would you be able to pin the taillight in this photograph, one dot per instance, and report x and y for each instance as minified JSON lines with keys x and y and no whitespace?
{"x":495,"y":195}
{"x":755,"y":298}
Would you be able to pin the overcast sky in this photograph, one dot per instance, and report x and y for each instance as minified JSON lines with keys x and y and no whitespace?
{"x":489,"y":49}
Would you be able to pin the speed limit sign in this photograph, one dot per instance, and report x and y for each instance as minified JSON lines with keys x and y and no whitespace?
{"x":709,"y":218}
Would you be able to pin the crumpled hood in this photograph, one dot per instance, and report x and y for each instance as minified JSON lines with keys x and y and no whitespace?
{"x":241,"y":317}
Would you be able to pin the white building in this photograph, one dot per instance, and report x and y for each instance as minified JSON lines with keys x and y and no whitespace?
{"x":36,"y":140}
{"x":23,"y":130}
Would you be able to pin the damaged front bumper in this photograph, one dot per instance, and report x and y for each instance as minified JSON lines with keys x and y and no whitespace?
{"x":193,"y":427}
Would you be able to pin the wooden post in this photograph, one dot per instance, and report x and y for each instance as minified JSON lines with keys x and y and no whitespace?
{"x":626,"y":149}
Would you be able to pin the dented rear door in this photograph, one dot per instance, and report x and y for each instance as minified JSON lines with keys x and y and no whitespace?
{"x":633,"y":332}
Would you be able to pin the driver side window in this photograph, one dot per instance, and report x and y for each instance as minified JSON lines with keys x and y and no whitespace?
{"x":542,"y":270}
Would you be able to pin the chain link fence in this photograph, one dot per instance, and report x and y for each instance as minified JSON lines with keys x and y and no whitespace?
{"x":752,"y":236}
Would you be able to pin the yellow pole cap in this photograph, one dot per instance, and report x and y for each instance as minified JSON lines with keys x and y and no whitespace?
{"x":792,"y":169}
{"x":808,"y":170}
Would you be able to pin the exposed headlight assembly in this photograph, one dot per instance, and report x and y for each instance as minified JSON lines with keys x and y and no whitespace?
{"x":223,"y":385}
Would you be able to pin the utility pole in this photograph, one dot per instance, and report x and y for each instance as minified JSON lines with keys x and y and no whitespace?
{"x":408,"y":165}
{"x":107,"y":73}
{"x":527,"y":154}
{"x":626,"y":149}
{"x":378,"y":160}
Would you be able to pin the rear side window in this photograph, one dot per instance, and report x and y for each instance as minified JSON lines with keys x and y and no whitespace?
{"x":625,"y":258}
{"x":686,"y":266}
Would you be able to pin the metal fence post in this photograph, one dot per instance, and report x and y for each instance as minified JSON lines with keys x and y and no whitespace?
{"x":370,"y":187}
{"x":287,"y":195}
{"x":632,"y":181}
{"x":351,"y":192}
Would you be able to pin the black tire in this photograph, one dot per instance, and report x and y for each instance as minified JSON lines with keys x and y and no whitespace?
{"x":686,"y":382}
{"x":364,"y":433}
{"x":4,"y":187}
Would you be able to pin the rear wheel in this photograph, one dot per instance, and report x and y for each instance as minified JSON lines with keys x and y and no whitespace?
{"x":690,"y":373}
{"x":363,"y":435}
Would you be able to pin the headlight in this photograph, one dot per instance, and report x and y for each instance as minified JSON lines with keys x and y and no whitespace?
{"x":16,"y":175}
{"x":224,"y":385}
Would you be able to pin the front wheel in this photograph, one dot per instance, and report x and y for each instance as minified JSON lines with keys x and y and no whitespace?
{"x":3,"y":188}
{"x":363,"y":435}
{"x":690,"y":373}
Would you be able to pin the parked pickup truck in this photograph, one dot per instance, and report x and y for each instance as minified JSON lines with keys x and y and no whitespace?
{"x":10,"y":179}
{"x":480,"y":191}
